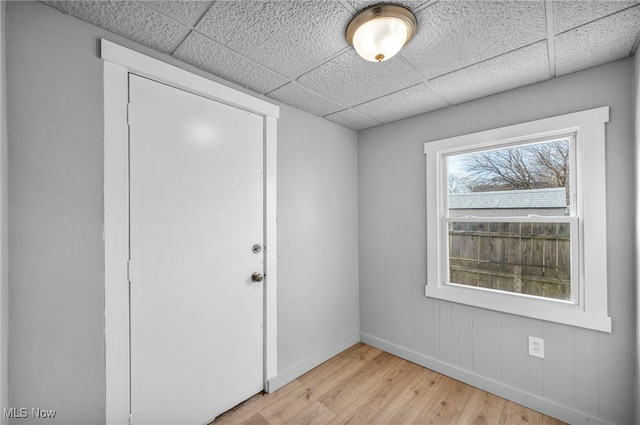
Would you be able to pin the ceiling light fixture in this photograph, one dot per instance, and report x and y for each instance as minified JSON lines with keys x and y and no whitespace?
{"x":379,"y":31}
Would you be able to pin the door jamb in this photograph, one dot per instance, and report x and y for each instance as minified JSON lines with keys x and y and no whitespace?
{"x":118,"y":62}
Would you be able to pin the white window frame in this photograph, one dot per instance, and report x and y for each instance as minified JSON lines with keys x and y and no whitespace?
{"x":588,"y":307}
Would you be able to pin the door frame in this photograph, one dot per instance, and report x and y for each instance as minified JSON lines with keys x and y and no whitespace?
{"x":118,"y":62}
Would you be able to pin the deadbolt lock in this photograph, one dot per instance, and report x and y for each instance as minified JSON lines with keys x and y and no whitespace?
{"x":257,"y":249}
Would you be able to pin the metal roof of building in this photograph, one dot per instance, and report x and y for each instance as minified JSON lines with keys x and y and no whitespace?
{"x":512,"y":199}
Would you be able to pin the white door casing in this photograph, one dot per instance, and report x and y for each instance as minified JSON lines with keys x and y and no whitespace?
{"x":196,"y":201}
{"x":118,"y":63}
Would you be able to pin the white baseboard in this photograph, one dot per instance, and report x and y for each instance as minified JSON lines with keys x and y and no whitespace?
{"x":286,"y":376}
{"x":515,"y":395}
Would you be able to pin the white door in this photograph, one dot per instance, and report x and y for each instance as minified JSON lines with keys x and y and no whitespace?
{"x":196,"y":211}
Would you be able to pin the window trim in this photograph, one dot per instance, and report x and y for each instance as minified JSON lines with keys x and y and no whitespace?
{"x":591,"y":309}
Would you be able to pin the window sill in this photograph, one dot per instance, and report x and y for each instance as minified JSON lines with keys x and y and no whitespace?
{"x":538,"y":308}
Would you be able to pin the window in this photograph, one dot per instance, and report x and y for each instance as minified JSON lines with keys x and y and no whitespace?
{"x":516,"y":219}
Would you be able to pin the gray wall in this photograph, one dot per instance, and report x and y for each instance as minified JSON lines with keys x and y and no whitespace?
{"x":4,"y":311}
{"x":56,"y":276}
{"x":636,"y":91}
{"x":56,"y":281}
{"x":585,"y":373}
{"x":317,"y":241}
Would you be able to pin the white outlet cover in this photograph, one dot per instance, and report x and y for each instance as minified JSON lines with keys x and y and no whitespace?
{"x":536,"y":347}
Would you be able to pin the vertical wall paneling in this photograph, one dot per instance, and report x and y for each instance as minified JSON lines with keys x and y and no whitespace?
{"x":55,"y":148}
{"x":586,"y":375}
{"x":485,"y":115}
{"x":387,"y":184}
{"x":426,"y":322}
{"x":620,"y":163}
{"x":424,"y":312}
{"x":586,"y":370}
{"x":465,"y":344}
{"x":401,"y":268}
{"x":559,"y":353}
{"x":317,"y":241}
{"x":582,"y":93}
{"x":636,"y":102}
{"x":450,"y":332}
{"x":487,"y":333}
{"x":519,"y":369}
{"x":4,"y":311}
{"x":557,"y":97}
{"x":518,"y":106}
{"x":370,"y":245}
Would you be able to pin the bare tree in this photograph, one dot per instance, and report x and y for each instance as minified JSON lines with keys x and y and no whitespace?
{"x":553,"y":161}
{"x":458,"y":183}
{"x":535,"y":166}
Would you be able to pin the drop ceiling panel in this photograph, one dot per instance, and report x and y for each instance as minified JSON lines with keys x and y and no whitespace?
{"x":352,"y":119}
{"x":572,"y":13}
{"x":129,"y":19}
{"x":295,"y":51}
{"x":301,"y":98}
{"x":515,"y":69}
{"x":402,"y":104}
{"x":206,"y":54}
{"x":599,"y":42}
{"x":455,"y":34}
{"x":350,"y":80}
{"x":187,"y":12}
{"x":289,"y":37}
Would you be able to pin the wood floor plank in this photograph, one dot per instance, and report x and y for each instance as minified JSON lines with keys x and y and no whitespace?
{"x":256,"y":419}
{"x":548,"y":420}
{"x":515,"y":414}
{"x":342,"y":396}
{"x":379,"y":395}
{"x":315,"y":414}
{"x":483,"y":408}
{"x":366,"y":386}
{"x":287,"y":407}
{"x":447,"y":405}
{"x":342,"y":371}
{"x":244,"y":412}
{"x":352,"y":354}
{"x":408,"y":404}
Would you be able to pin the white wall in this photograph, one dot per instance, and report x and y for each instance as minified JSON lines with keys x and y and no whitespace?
{"x":56,"y":281}
{"x":586,"y":375}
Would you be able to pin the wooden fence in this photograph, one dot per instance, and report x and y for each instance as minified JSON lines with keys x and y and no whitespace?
{"x":527,"y":258}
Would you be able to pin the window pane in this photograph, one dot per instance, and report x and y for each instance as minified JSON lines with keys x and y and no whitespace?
{"x":519,"y":257}
{"x":523,"y":180}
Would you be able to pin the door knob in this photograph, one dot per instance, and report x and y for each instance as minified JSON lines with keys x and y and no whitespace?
{"x":257,"y":277}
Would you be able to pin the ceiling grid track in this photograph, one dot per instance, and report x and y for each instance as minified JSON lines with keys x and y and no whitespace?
{"x":425,"y":82}
{"x":189,"y":26}
{"x":548,"y":6}
{"x":424,"y":6}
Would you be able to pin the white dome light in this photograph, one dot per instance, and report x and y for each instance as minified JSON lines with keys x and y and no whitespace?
{"x":378,"y":32}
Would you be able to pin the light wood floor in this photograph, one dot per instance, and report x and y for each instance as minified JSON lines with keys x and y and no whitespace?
{"x":366,"y":386}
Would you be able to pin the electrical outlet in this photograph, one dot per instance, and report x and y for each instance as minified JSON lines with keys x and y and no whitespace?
{"x":536,"y":347}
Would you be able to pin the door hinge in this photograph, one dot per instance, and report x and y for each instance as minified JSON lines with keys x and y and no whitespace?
{"x":129,"y":270}
{"x":130,"y":420}
{"x":128,"y":113}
